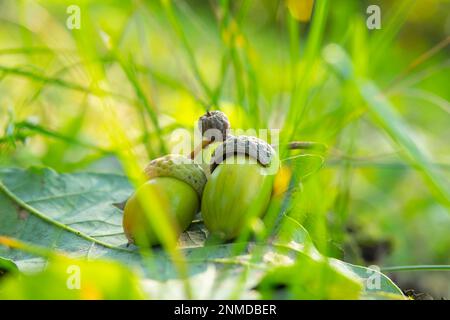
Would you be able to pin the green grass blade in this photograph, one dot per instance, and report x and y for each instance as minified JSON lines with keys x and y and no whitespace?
{"x":397,"y":129}
{"x":389,"y":120}
{"x":173,"y":19}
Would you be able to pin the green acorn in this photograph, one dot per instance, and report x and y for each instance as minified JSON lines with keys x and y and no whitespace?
{"x":240,"y":185}
{"x":179,"y":183}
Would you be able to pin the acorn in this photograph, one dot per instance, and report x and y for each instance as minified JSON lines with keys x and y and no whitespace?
{"x":178,"y":182}
{"x":240,"y":186}
{"x":214,"y":126}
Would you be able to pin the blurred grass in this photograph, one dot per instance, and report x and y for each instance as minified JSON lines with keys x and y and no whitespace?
{"x":145,"y":68}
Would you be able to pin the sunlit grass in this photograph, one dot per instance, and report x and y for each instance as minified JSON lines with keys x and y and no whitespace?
{"x":108,"y":89}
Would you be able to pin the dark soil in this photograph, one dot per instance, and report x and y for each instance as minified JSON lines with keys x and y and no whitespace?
{"x":375,"y":251}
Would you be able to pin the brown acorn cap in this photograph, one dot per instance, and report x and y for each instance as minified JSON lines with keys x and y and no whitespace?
{"x":214,"y":120}
{"x":178,"y":167}
{"x":245,"y":145}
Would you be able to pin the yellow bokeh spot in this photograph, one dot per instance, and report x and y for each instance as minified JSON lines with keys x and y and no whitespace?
{"x":282,"y":180}
{"x":240,"y":41}
{"x":90,"y":292}
{"x":301,"y":9}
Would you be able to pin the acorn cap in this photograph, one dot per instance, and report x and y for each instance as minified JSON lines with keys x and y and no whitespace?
{"x":214,"y":120}
{"x":178,"y":167}
{"x":244,"y":145}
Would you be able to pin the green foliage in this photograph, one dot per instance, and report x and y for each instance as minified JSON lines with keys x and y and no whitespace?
{"x":318,"y":280}
{"x":98,"y":280}
{"x":43,"y":208}
{"x":370,"y":108}
{"x":7,"y":266}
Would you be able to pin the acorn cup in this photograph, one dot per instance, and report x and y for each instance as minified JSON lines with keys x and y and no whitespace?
{"x":179,"y":183}
{"x":240,"y":186}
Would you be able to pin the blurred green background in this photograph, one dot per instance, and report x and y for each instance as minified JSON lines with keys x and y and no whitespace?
{"x":382,"y":196}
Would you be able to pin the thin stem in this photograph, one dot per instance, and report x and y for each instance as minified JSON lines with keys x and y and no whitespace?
{"x":306,"y":145}
{"x":56,"y":135}
{"x":356,"y":163}
{"x":436,"y":267}
{"x":293,"y":145}
{"x":199,"y":148}
{"x":187,"y":47}
{"x":421,"y":59}
{"x":60,"y":82}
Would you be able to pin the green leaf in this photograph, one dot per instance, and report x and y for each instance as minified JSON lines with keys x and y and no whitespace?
{"x":311,"y":278}
{"x":75,"y":214}
{"x":7,"y":266}
{"x":80,"y":204}
{"x":304,"y":165}
{"x":376,"y":285}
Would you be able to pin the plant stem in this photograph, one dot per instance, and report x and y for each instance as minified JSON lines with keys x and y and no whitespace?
{"x":417,"y":268}
{"x":199,"y":148}
{"x":56,"y":135}
{"x":293,"y":145}
{"x":306,"y":145}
